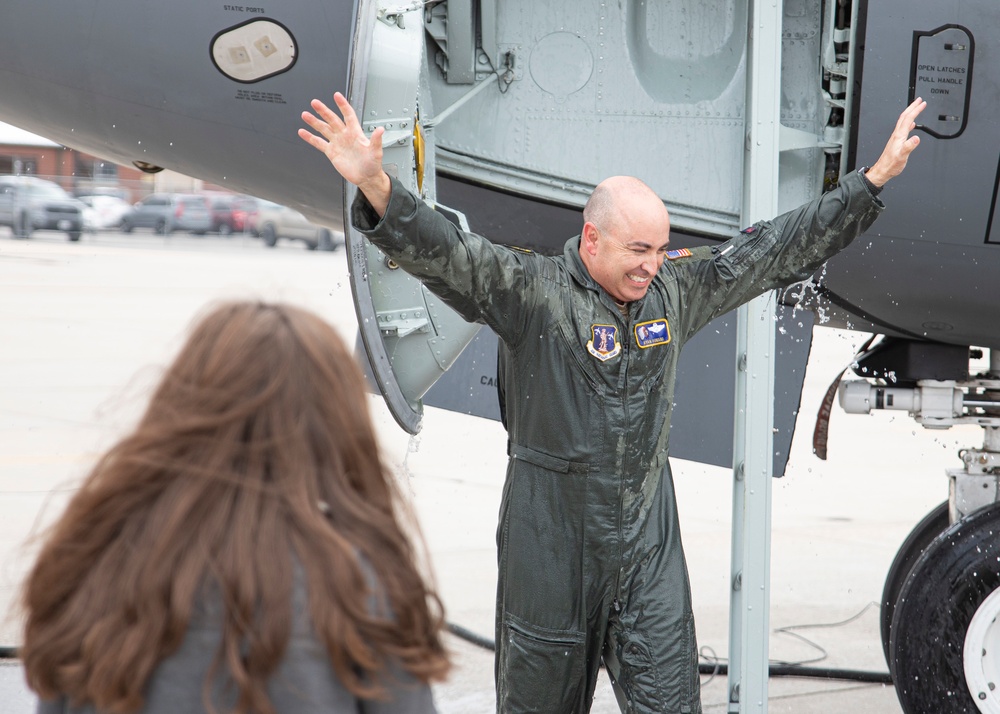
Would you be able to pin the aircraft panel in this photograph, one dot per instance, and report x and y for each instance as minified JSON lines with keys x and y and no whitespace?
{"x":929,"y":261}
{"x":654,"y":90}
{"x":137,"y":82}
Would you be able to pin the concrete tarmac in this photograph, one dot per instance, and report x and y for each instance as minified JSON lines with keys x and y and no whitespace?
{"x":85,"y":329}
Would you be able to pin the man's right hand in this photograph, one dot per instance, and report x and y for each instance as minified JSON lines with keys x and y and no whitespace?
{"x":355,"y":156}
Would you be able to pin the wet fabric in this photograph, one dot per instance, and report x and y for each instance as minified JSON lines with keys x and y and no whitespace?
{"x":591,"y":565}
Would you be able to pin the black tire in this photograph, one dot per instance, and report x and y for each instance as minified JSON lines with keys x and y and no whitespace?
{"x":312,"y":245}
{"x":160,"y":227}
{"x":268,"y":235}
{"x":948,"y":583}
{"x":932,"y":525}
{"x":127,"y":226}
{"x":73,"y":235}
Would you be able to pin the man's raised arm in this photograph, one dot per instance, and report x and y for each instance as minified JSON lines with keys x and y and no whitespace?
{"x":355,"y":156}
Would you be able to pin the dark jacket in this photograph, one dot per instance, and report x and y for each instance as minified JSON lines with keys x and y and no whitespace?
{"x":304,"y":683}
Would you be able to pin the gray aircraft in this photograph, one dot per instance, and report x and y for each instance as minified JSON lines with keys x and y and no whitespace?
{"x":506,"y":113}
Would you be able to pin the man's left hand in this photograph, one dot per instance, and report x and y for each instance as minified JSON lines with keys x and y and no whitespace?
{"x":893,"y":159}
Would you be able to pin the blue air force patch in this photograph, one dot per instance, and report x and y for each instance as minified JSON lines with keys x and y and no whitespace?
{"x":653,"y":332}
{"x":604,"y":342}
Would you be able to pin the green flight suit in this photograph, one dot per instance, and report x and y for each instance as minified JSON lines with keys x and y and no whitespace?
{"x":590,"y":559}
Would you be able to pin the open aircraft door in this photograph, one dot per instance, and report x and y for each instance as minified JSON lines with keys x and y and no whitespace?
{"x":410,"y":336}
{"x":520,"y":171}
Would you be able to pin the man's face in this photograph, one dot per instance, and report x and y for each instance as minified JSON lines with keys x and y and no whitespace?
{"x":625,"y":268}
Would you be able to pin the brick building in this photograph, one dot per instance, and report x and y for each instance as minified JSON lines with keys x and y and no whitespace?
{"x":22,"y":152}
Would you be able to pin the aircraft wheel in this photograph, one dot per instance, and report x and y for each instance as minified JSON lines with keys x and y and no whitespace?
{"x":945,"y":640}
{"x":269,"y":236}
{"x":919,"y":538}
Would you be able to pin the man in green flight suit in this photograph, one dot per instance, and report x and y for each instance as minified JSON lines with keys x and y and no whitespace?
{"x":591,"y":566}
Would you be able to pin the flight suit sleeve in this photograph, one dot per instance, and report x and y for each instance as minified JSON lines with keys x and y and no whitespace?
{"x":483,"y":282}
{"x":772,"y":254}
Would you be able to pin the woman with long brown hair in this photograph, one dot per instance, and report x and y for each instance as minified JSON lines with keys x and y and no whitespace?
{"x":242,"y":550}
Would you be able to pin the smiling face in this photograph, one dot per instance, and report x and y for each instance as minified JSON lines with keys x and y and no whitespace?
{"x":625,"y":237}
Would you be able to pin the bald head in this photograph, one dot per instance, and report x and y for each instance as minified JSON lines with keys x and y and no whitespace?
{"x":618,"y":198}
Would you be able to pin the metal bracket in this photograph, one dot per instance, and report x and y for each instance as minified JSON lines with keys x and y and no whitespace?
{"x":969,"y":491}
{"x":400,"y":323}
{"x":793,"y":139}
{"x":394,"y":16}
{"x":448,"y":111}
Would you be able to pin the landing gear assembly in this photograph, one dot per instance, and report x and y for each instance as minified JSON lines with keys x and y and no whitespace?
{"x":941,"y":600}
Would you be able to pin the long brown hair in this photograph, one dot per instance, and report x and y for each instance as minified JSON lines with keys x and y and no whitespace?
{"x":256,"y":451}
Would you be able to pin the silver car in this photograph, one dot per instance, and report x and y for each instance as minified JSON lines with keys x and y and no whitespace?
{"x":274,"y":222}
{"x":169,"y":212}
{"x":28,"y":203}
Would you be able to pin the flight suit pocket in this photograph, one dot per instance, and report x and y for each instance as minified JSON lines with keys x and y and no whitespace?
{"x":690,"y":682}
{"x":639,"y":679}
{"x":545,"y":461}
{"x":541,"y":669}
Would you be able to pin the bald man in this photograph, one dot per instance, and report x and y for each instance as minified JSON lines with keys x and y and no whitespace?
{"x":591,"y":566}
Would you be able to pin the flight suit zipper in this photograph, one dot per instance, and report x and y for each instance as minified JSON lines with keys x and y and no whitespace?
{"x":626,"y":355}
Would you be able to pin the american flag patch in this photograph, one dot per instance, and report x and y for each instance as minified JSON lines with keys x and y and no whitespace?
{"x":679,"y":253}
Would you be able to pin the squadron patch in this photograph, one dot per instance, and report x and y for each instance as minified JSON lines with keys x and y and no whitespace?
{"x":653,"y":332}
{"x":679,"y":253}
{"x":604,"y":342}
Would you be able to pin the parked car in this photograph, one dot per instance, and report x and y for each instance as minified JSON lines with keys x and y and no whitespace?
{"x":104,"y":212}
{"x":274,"y":222}
{"x":28,"y":204}
{"x":245,"y":209}
{"x":230,"y":212}
{"x":169,"y":212}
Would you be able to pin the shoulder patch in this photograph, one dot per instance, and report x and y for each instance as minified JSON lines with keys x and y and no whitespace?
{"x":679,"y":253}
{"x":604,"y":342}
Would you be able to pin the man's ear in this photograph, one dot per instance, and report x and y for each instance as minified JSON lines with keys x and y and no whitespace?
{"x":588,"y":239}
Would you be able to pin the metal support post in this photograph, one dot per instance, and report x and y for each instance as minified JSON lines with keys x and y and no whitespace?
{"x":752,"y":453}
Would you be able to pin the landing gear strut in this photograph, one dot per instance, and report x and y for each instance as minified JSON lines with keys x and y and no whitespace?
{"x":941,"y":602}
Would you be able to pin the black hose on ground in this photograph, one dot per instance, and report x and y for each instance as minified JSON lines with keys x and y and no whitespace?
{"x":775,"y":670}
{"x":795,"y":670}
